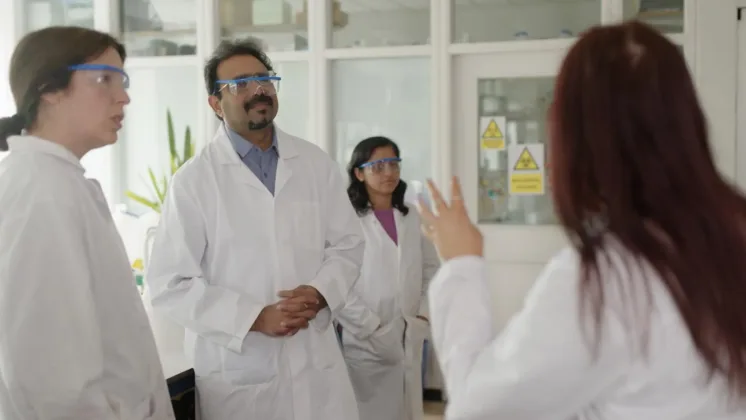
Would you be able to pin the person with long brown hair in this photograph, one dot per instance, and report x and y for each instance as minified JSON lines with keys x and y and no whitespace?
{"x":75,"y":341}
{"x":642,"y":316}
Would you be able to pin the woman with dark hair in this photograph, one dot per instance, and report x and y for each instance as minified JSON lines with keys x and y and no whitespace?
{"x":642,"y":317}
{"x":384,"y":322}
{"x":75,"y":342}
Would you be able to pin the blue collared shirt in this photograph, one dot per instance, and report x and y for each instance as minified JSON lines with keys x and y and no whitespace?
{"x":263,"y":163}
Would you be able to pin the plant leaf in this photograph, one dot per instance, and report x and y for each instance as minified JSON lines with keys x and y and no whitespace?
{"x":187,"y":145}
{"x":154,"y":183}
{"x":172,"y":143}
{"x":144,"y":201}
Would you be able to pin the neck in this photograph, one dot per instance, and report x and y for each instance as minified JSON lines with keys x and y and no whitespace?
{"x":61,"y":137}
{"x":379,"y":202}
{"x":260,"y":138}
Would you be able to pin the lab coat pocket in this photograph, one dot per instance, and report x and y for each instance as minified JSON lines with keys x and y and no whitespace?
{"x":387,"y":343}
{"x":221,"y":400}
{"x":256,"y":364}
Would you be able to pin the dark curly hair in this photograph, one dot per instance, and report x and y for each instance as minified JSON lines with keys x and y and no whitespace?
{"x":356,"y":190}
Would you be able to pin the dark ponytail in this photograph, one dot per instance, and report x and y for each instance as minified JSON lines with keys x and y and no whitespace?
{"x":10,"y":126}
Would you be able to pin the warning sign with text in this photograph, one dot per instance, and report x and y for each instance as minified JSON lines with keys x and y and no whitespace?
{"x":492,"y":133}
{"x":526,"y":169}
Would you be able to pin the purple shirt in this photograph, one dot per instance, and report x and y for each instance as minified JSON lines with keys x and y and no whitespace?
{"x":386,"y":217}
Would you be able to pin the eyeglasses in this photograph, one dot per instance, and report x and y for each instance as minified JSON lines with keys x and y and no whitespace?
{"x":105,"y":74}
{"x":269,"y":83}
{"x":382,"y":165}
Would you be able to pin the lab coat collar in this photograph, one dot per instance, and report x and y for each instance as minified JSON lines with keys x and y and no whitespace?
{"x":26,"y":143}
{"x":242,"y":146}
{"x":228,"y":156}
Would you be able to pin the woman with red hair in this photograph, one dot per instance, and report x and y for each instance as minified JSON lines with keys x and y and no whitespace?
{"x":642,"y":317}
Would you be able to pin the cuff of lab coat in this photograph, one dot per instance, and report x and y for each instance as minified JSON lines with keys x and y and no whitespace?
{"x":331,"y":295}
{"x":424,"y":308}
{"x":248,"y":314}
{"x":323,"y":320}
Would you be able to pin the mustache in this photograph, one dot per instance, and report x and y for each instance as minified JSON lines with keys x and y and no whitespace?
{"x":258,"y":100}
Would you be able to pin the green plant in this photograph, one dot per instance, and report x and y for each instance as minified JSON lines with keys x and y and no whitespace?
{"x":160,"y":187}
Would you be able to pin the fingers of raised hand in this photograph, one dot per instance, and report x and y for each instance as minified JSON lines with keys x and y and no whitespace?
{"x":457,"y":198}
{"x":438,"y":201}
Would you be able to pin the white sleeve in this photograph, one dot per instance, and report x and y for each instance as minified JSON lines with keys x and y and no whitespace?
{"x":430,"y":266}
{"x":343,"y":255}
{"x":177,"y":284}
{"x":539,"y":367}
{"x":51,"y":356}
{"x":356,"y":318}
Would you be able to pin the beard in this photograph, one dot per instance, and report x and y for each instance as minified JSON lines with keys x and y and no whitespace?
{"x":256,"y":100}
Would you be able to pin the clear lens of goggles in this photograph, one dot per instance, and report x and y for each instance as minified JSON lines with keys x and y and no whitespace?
{"x":268,"y":84}
{"x":381,"y":165}
{"x":105,"y":75}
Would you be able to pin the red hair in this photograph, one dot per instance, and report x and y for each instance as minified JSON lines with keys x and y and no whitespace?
{"x":629,"y":145}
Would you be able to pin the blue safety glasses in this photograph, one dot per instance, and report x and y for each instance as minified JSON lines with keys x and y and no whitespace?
{"x":104,"y":74}
{"x":381,"y":165}
{"x":269,"y":83}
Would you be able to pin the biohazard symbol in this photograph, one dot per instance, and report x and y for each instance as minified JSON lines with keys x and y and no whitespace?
{"x":492,"y":132}
{"x":526,"y":162}
{"x":493,"y":138}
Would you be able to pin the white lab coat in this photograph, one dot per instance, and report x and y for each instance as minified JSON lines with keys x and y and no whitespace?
{"x":74,"y":338}
{"x":540,"y":367}
{"x":223,"y":250}
{"x":385,"y":365}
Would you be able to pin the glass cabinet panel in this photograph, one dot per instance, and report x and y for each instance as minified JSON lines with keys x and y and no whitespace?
{"x":387,"y":97}
{"x":378,"y":23}
{"x":159,"y":27}
{"x":293,"y":98}
{"x":143,"y":141}
{"x":513,"y":177}
{"x":44,"y":13}
{"x":282,"y":25}
{"x":665,"y":15}
{"x":490,"y":21}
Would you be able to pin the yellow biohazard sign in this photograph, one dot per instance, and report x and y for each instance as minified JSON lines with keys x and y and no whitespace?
{"x":526,"y":162}
{"x":526,"y":170}
{"x":491,"y":129}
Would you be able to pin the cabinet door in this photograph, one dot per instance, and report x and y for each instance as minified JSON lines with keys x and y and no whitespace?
{"x":38,"y":14}
{"x":501,"y":102}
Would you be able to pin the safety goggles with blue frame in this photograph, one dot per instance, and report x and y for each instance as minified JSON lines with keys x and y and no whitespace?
{"x":105,"y":74}
{"x":268,"y":82}
{"x":382,"y":165}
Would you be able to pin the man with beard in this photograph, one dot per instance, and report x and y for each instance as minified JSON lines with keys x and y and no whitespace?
{"x":256,"y":251}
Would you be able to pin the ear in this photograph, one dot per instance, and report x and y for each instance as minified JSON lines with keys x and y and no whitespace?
{"x":359,"y":175}
{"x":52,"y":98}
{"x":215,"y":105}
